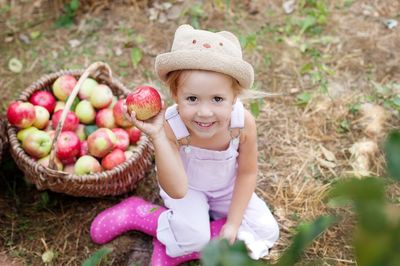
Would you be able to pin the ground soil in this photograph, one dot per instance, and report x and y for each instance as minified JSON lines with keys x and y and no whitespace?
{"x":303,"y":146}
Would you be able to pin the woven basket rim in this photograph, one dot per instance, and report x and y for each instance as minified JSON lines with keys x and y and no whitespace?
{"x":141,"y":149}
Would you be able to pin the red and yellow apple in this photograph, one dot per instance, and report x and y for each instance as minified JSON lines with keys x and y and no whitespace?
{"x":45,"y":161}
{"x":134,"y":134}
{"x":71,"y":121}
{"x":21,"y":114}
{"x":42,"y":117}
{"x":122,"y":138}
{"x":101,"y":142}
{"x":113,"y":159}
{"x":44,"y":99}
{"x":63,"y":86}
{"x":105,"y":118}
{"x":145,"y":102}
{"x":68,"y":146}
{"x":102,"y":96}
{"x":119,"y":116}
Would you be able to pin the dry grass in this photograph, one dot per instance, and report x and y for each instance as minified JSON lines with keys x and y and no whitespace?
{"x":302,"y":149}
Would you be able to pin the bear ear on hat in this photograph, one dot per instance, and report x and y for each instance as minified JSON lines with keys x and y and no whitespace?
{"x":184,"y":27}
{"x":230,"y":36}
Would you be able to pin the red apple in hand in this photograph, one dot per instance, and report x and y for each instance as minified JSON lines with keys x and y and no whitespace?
{"x":21,"y":114}
{"x":44,"y":99}
{"x":63,"y":86}
{"x":145,"y":101}
{"x":71,"y":122}
{"x":113,"y":159}
{"x":101,"y":142}
{"x":68,"y":146}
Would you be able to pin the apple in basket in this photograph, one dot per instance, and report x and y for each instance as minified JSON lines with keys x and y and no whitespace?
{"x":23,"y":133}
{"x":119,"y":116}
{"x":84,"y":148}
{"x":45,"y":161}
{"x":134,"y":135}
{"x":87,"y":88}
{"x":71,"y":121}
{"x":68,"y":146}
{"x":85,"y":112}
{"x":122,"y":138}
{"x":21,"y":114}
{"x":113,"y":159}
{"x":37,"y":144}
{"x":86,"y":165}
{"x":44,"y":99}
{"x":80,"y":132}
{"x":42,"y":117}
{"x":63,"y":86}
{"x":105,"y":118}
{"x":102,"y":96}
{"x":101,"y":142}
{"x":145,"y":101}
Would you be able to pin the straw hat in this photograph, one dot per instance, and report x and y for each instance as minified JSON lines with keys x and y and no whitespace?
{"x":205,"y":50}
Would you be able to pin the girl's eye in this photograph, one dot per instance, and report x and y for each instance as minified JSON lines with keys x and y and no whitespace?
{"x":218,"y":99}
{"x":191,"y":98}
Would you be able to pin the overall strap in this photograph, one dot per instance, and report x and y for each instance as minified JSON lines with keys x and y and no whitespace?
{"x":174,"y":120}
{"x":237,"y":116}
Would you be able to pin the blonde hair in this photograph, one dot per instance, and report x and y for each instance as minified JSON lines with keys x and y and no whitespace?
{"x":174,"y":78}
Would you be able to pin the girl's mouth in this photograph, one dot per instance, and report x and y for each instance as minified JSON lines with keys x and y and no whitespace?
{"x":204,"y":125}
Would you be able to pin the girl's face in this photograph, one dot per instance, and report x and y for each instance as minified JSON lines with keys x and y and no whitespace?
{"x":205,"y":100}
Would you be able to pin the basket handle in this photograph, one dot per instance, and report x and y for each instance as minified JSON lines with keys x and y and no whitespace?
{"x":92,"y":69}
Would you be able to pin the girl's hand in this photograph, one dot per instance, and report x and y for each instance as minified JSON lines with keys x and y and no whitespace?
{"x":152,"y":127}
{"x":229,"y":232}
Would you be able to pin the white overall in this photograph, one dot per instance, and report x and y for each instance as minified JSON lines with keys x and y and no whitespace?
{"x":185,"y":227}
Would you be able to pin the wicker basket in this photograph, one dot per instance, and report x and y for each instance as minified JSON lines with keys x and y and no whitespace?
{"x":117,"y":181}
{"x":3,"y":137}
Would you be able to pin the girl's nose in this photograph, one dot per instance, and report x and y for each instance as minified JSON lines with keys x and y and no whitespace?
{"x":204,"y":110}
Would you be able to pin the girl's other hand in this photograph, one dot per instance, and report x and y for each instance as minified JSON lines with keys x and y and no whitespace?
{"x":229,"y":232}
{"x":152,"y":127}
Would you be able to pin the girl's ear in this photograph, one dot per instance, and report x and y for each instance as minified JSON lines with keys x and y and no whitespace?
{"x":174,"y":97}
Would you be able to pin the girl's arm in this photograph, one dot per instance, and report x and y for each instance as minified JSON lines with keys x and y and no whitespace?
{"x":245,"y":183}
{"x":170,"y":171}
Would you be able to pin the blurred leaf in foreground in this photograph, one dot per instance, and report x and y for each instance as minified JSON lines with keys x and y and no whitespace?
{"x":392,"y":153}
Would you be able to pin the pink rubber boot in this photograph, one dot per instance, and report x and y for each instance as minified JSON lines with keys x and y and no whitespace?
{"x":130,"y":214}
{"x":160,"y":257}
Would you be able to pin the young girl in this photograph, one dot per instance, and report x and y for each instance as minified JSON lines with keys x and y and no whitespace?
{"x":205,"y":150}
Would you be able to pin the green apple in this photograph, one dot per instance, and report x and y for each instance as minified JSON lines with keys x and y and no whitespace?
{"x":21,"y":135}
{"x":37,"y":144}
{"x":86,"y":165}
{"x":85,"y":112}
{"x":87,"y":88}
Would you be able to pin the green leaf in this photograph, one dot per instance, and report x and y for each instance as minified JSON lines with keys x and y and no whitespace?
{"x":220,"y":253}
{"x":96,"y":257}
{"x":307,"y":232}
{"x":74,"y":5}
{"x":304,"y":98}
{"x":136,"y":56}
{"x":255,"y":108}
{"x":392,"y":153}
{"x":306,"y":68}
